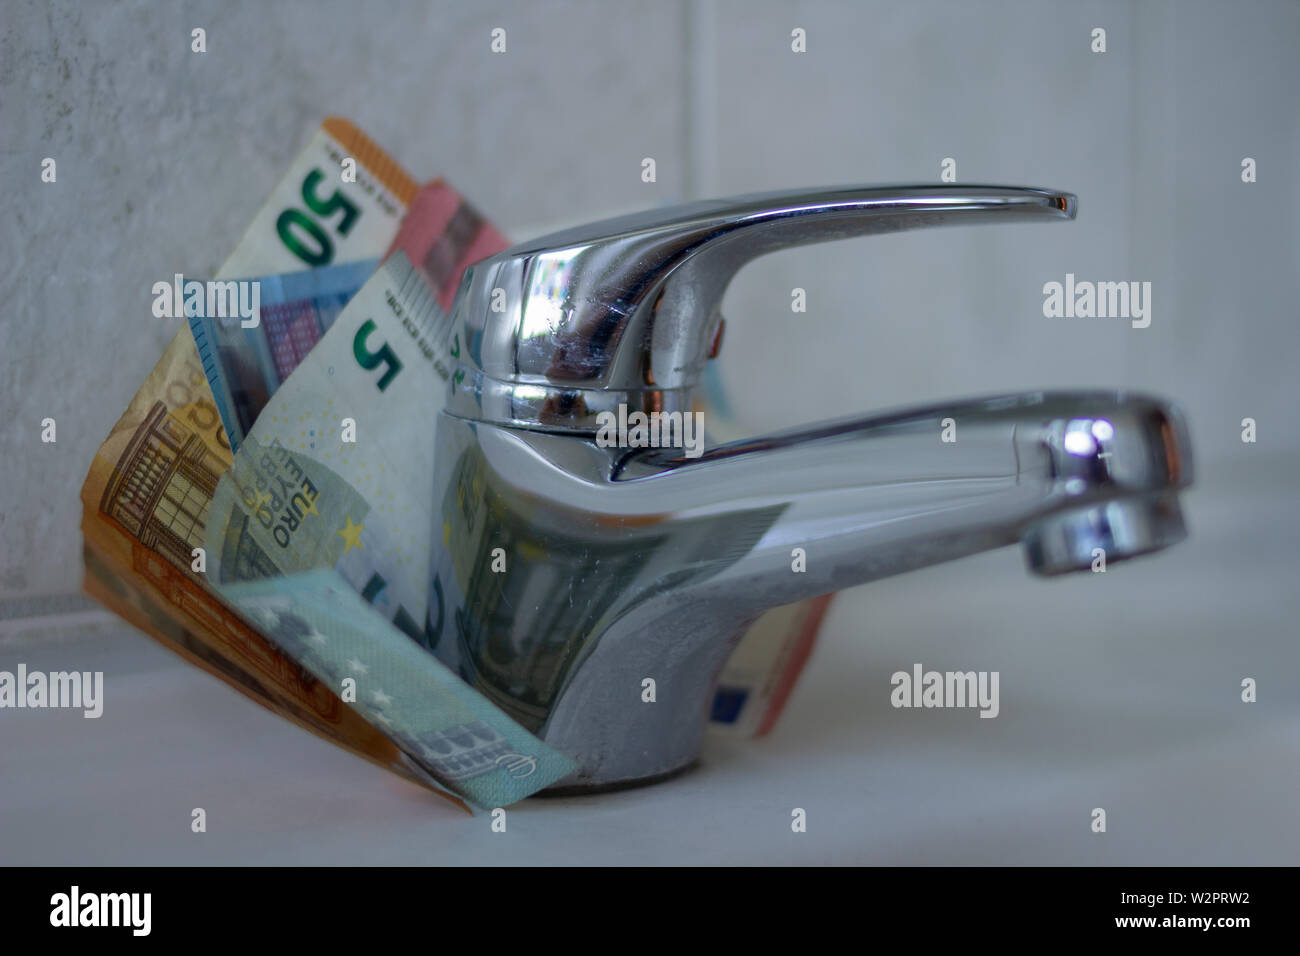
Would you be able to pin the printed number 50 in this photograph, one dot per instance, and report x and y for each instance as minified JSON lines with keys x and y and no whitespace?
{"x":303,"y":235}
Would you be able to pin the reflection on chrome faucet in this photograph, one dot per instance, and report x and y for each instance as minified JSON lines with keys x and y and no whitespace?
{"x":684,"y":430}
{"x":506,"y":550}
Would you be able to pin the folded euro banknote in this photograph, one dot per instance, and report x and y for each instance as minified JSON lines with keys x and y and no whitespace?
{"x":223,"y":383}
{"x":145,"y":499}
{"x":148,"y":496}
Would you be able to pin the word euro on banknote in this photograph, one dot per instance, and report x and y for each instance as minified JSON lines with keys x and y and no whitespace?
{"x":337,"y":472}
{"x":148,"y":491}
{"x":244,"y":364}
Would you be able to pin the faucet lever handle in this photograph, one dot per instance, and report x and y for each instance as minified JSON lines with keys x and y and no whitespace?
{"x":626,"y":311}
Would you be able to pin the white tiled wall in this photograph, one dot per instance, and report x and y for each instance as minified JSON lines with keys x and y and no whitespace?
{"x":163,"y":155}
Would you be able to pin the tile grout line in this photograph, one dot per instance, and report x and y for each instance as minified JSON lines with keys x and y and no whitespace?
{"x":54,"y":611}
{"x":699,"y":100}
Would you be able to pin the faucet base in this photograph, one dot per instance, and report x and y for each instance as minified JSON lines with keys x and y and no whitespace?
{"x":562,"y":789}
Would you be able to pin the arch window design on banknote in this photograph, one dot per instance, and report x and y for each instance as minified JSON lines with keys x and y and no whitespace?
{"x":160,"y":489}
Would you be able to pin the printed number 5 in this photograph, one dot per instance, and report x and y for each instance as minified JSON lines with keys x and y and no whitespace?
{"x":368,"y":359}
{"x":459,"y":377}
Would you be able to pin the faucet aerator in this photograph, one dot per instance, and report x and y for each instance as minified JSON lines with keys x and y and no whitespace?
{"x":1091,"y":538}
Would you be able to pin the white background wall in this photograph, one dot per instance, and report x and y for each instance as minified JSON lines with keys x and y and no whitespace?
{"x":163,"y":156}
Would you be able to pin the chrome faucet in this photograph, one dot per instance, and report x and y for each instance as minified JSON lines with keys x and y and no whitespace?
{"x":569,"y":571}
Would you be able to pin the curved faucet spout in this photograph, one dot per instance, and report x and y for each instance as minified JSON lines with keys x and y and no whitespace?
{"x":928,"y":484}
